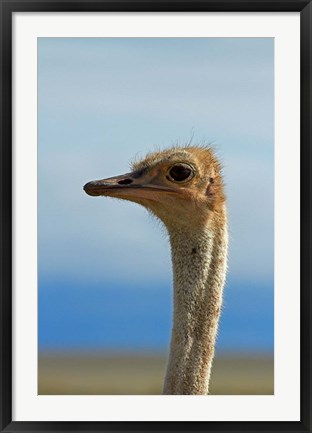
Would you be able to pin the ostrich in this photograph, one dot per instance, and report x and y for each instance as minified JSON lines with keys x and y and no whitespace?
{"x":183,"y":187}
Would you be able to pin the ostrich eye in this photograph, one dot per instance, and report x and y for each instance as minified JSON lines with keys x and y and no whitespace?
{"x":180,"y":172}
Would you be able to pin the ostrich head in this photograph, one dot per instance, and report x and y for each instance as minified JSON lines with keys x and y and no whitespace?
{"x":182,"y":186}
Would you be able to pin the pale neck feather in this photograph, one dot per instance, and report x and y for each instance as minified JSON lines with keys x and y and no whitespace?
{"x":199,"y":259}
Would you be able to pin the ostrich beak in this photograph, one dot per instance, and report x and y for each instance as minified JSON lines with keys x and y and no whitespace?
{"x":129,"y":186}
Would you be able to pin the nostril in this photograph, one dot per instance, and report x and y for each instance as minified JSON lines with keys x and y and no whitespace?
{"x":125,"y":182}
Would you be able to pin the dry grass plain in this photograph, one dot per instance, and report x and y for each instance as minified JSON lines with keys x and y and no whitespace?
{"x":142,"y":374}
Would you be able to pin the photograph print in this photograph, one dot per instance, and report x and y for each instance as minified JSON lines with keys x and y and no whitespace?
{"x":155,"y":216}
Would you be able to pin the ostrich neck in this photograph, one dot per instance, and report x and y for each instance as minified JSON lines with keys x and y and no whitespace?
{"x":199,"y":266}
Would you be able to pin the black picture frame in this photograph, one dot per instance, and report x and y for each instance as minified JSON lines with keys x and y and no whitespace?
{"x":8,"y":7}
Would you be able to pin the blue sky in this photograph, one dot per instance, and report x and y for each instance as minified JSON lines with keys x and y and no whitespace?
{"x":104,"y":265}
